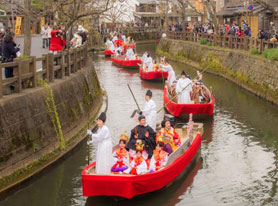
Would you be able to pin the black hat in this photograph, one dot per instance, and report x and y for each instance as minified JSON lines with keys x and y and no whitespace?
{"x":149,"y":93}
{"x":183,"y":73}
{"x":141,"y":117}
{"x":166,"y":61}
{"x":102,"y":117}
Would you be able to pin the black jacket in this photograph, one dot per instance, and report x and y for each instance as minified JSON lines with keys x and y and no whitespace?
{"x":9,"y":50}
{"x":149,"y":142}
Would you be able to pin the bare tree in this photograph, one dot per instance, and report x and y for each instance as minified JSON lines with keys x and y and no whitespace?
{"x":68,"y":12}
{"x":27,"y":28}
{"x":118,"y":12}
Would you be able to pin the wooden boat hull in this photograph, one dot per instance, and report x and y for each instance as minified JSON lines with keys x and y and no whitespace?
{"x":128,"y":186}
{"x":108,"y":53}
{"x":199,"y":111}
{"x":130,"y":64}
{"x":153,"y":76}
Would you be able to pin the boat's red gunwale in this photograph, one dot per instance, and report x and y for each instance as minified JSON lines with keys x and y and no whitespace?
{"x":179,"y":109}
{"x":130,"y":186}
{"x":153,"y":75}
{"x":127,"y":63}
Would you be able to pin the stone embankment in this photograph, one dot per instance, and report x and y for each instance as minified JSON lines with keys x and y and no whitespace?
{"x":39,"y":124}
{"x":256,"y":74}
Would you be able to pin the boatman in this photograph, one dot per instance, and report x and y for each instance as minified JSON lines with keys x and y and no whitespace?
{"x":183,"y":89}
{"x":130,"y":53}
{"x":103,"y":140}
{"x":145,"y":133}
{"x":149,"y":110}
{"x":109,"y":44}
{"x":149,"y":63}
{"x":171,"y":74}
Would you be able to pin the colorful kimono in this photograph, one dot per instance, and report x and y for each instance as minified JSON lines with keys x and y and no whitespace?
{"x":170,"y":137}
{"x":138,"y":166}
{"x":121,"y":160}
{"x":159,"y":160}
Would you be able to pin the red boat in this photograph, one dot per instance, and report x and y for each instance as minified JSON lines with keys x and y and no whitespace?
{"x":153,"y":75}
{"x":129,"y":186}
{"x":108,"y":53}
{"x":199,"y":111}
{"x":131,"y":64}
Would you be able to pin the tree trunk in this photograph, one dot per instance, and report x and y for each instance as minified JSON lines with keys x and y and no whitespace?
{"x":27,"y":28}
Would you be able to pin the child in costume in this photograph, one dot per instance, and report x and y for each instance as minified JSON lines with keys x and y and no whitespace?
{"x":138,"y":165}
{"x":121,"y":155}
{"x":159,"y":158}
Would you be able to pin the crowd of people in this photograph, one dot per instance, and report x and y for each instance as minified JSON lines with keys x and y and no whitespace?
{"x":120,"y":45}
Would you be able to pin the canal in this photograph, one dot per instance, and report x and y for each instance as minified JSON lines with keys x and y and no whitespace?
{"x":239,"y":157}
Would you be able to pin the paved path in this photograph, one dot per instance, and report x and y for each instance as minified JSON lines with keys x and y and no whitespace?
{"x":36,"y":49}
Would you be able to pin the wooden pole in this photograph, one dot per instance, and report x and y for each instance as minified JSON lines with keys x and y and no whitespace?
{"x":34,"y":82}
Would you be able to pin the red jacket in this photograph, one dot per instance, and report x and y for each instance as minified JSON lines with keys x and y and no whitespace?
{"x":56,"y":44}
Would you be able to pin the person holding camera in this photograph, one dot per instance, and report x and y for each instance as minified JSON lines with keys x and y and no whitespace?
{"x":57,"y":41}
{"x":9,"y":52}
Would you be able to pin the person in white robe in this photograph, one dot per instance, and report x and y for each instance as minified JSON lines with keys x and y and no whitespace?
{"x":118,"y":50}
{"x":103,"y":140}
{"x":171,"y":73}
{"x":114,"y":38}
{"x":149,"y":110}
{"x":149,"y":63}
{"x":109,"y":44}
{"x":183,"y":89}
{"x":130,"y":54}
{"x":124,"y":38}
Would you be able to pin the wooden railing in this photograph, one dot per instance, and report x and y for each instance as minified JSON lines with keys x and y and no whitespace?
{"x":226,"y":41}
{"x":53,"y":66}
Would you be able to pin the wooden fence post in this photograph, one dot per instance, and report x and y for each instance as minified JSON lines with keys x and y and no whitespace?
{"x":75,"y":65}
{"x":62,"y":63}
{"x":51,"y":66}
{"x":1,"y":92}
{"x":68,"y":63}
{"x":34,"y":70}
{"x":45,"y":66}
{"x":230,"y":44}
{"x":19,"y":73}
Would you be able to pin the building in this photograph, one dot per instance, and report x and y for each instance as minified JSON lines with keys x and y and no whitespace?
{"x":256,"y":15}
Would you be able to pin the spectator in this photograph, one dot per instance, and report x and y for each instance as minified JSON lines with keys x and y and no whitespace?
{"x":49,"y":29}
{"x":9,"y":52}
{"x":44,"y":33}
{"x":57,"y":41}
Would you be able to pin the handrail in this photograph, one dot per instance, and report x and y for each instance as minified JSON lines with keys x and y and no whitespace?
{"x":53,"y":67}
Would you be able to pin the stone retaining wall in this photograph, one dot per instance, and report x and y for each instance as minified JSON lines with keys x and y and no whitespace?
{"x":256,"y":74}
{"x":31,"y":127}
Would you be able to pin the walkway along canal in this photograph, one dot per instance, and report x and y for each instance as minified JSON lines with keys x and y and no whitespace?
{"x":238,"y":164}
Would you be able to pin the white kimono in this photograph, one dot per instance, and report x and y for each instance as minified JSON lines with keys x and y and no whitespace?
{"x":171,"y":73}
{"x":162,"y":163}
{"x":114,"y":39}
{"x":144,"y":58}
{"x":130,"y":54}
{"x":149,"y":63}
{"x":118,"y":51}
{"x":104,"y":159}
{"x":123,"y":38}
{"x":149,"y":112}
{"x":110,"y":45}
{"x":140,"y":169}
{"x":184,"y":96}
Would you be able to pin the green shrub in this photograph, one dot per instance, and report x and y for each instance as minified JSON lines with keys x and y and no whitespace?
{"x":209,"y":44}
{"x":203,"y":41}
{"x":254,"y":52}
{"x":271,"y":54}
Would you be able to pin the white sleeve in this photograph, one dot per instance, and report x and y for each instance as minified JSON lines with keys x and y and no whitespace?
{"x":100,"y":136}
{"x":142,"y":168}
{"x":148,"y":108}
{"x":152,"y":164}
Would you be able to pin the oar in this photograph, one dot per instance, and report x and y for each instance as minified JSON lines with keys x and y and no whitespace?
{"x":134,"y":100}
{"x":89,"y":137}
{"x":181,"y":91}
